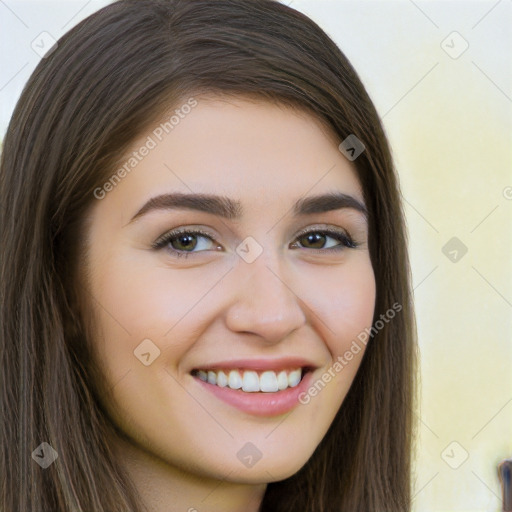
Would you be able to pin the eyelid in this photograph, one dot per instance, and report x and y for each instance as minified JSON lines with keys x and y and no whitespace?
{"x":346,"y":241}
{"x":163,"y":239}
{"x":324,"y":228}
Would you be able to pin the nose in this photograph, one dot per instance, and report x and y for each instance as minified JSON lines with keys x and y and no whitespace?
{"x":265,"y":304}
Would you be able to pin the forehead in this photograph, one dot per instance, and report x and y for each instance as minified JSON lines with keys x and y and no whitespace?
{"x":263,"y":154}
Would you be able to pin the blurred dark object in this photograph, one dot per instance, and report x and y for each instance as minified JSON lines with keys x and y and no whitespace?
{"x":505,"y":472}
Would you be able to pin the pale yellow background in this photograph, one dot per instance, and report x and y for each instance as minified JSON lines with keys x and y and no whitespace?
{"x":449,"y":122}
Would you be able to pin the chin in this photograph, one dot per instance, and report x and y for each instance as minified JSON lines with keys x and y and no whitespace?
{"x":278,"y":466}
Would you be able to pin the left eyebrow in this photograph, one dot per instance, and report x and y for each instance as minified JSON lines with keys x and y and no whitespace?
{"x":230,"y":209}
{"x":327,"y":202}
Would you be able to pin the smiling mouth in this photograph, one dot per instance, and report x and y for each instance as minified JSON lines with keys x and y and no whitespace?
{"x":251,"y":381}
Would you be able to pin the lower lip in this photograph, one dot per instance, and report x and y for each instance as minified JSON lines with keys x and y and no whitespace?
{"x":260,"y":403}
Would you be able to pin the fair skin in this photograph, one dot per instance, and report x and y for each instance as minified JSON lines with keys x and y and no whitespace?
{"x":298,"y":299}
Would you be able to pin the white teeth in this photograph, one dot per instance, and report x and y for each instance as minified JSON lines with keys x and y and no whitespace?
{"x":222,"y":379}
{"x":252,"y":382}
{"x":293,"y":378}
{"x":235,"y":381}
{"x":282,"y":381}
{"x":268,"y":382}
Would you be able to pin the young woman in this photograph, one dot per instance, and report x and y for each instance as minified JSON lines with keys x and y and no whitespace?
{"x":204,"y":278}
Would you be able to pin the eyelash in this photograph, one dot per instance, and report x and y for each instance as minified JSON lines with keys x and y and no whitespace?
{"x":339,"y":235}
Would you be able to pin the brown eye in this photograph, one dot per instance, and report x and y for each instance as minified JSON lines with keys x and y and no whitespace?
{"x":313,"y":240}
{"x":184,"y":242}
{"x":187,"y":242}
{"x":317,"y":239}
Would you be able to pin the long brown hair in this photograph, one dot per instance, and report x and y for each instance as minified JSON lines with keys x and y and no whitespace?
{"x":108,"y":79}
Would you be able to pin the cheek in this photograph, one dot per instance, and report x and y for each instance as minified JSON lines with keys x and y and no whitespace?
{"x":136,"y":302}
{"x":141,"y":300}
{"x":343,"y":301}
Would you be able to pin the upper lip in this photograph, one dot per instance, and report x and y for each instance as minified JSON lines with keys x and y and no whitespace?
{"x":259,"y":364}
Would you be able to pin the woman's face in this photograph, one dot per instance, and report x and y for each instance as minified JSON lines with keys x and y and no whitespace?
{"x":261,"y":298}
